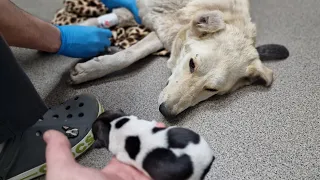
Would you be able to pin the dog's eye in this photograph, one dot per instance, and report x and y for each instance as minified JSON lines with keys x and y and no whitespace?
{"x":211,"y":89}
{"x":192,"y":65}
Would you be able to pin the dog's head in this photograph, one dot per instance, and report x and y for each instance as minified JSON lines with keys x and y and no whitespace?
{"x":214,"y":55}
{"x":102,"y":126}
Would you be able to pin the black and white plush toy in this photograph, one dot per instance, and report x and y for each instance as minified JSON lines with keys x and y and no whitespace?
{"x":170,"y":153}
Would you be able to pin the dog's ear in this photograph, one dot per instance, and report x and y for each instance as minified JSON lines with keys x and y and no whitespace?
{"x":207,"y":22}
{"x":109,"y":115}
{"x":258,"y":73}
{"x":101,"y":131}
{"x":101,"y":127}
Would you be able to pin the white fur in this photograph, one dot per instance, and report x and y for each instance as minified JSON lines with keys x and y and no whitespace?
{"x":223,"y":50}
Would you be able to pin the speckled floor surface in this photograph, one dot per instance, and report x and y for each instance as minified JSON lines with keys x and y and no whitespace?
{"x":256,"y":132}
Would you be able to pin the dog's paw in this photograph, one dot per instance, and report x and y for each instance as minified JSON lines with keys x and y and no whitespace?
{"x":83,"y":72}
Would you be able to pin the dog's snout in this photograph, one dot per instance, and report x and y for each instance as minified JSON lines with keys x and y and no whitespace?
{"x":164,"y":111}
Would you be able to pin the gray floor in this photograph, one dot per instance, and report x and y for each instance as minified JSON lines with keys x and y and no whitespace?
{"x":256,"y":133}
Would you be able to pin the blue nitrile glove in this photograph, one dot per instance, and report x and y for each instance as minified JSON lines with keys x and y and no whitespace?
{"x":131,"y":5}
{"x":83,"y":41}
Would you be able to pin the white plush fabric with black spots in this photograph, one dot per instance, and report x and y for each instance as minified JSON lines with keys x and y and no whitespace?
{"x":170,"y":153}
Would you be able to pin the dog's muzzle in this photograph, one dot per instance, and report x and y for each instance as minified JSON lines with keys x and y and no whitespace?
{"x":165,"y":112}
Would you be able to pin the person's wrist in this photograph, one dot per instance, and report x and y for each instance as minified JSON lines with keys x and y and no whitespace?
{"x":55,"y":46}
{"x":61,"y":47}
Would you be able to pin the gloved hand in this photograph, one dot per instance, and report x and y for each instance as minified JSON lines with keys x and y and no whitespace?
{"x":83,"y":41}
{"x":131,"y":5}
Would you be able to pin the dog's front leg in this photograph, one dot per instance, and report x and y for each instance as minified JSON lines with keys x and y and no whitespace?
{"x":103,"y":65}
{"x":123,"y":18}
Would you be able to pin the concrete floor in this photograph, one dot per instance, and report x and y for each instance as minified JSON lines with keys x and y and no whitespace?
{"x":256,"y":132}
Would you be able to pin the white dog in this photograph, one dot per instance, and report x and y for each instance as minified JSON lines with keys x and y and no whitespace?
{"x":212,"y":45}
{"x":171,"y":153}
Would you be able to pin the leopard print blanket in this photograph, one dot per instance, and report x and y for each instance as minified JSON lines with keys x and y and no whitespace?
{"x":76,"y":11}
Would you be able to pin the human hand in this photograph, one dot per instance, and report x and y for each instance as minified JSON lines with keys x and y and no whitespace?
{"x":83,"y":41}
{"x":131,"y":5}
{"x":62,"y":166}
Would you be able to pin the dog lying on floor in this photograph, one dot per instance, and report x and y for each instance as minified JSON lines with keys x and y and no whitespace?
{"x":212,"y":45}
{"x":170,"y":153}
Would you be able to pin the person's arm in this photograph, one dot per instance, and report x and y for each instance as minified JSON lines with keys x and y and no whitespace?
{"x":24,"y":30}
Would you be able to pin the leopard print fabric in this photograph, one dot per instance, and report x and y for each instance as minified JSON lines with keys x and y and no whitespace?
{"x":76,"y":11}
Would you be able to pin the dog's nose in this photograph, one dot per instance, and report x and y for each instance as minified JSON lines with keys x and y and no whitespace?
{"x":164,"y":111}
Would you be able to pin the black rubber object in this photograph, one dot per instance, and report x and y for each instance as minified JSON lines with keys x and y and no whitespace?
{"x":28,"y":150}
{"x":272,"y":52}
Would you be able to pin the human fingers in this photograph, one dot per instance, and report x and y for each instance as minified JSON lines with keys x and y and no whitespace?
{"x":124,"y":171}
{"x":106,"y":32}
{"x":58,"y":154}
{"x":135,"y":12}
